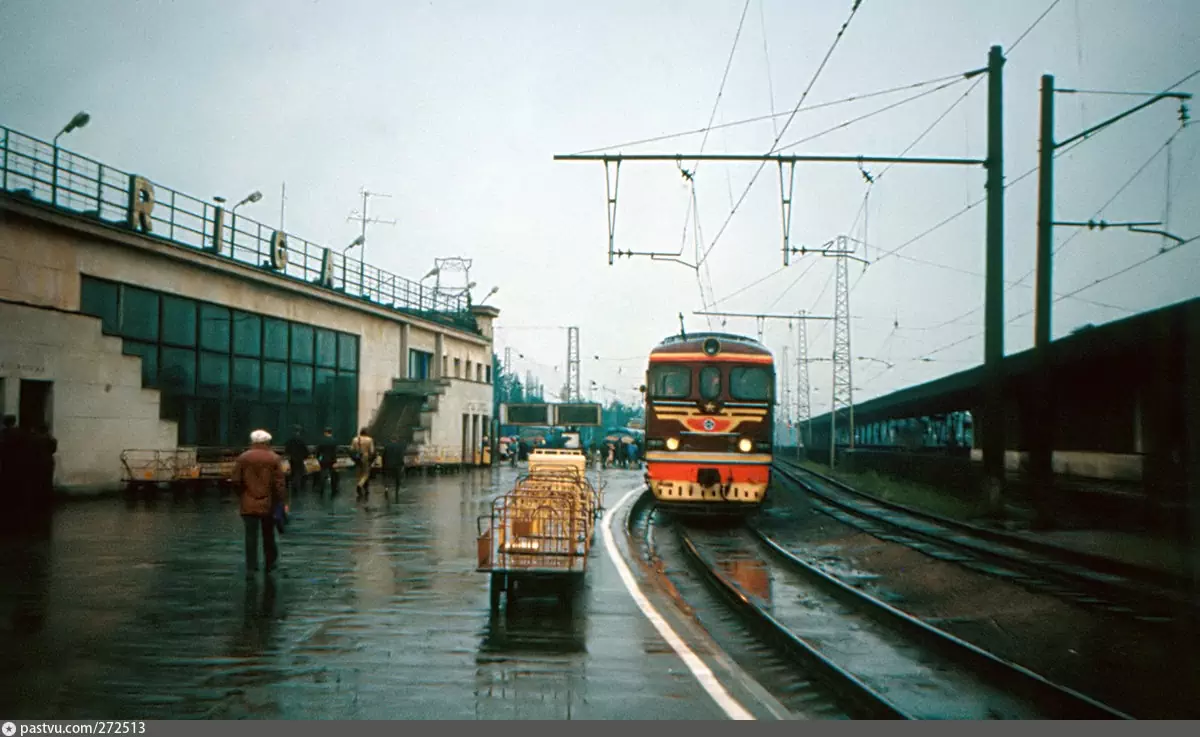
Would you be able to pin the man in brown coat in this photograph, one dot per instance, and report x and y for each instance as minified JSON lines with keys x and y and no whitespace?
{"x":258,"y":477}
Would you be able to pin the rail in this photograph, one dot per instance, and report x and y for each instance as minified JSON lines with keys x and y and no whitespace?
{"x":38,"y":171}
{"x":1088,"y":579}
{"x":1052,"y":698}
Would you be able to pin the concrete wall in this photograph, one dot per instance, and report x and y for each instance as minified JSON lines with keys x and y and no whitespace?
{"x":98,"y":406}
{"x":43,"y":253}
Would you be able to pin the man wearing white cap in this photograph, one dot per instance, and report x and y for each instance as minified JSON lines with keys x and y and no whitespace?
{"x":258,"y":477}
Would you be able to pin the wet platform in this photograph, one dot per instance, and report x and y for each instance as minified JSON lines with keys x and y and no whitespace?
{"x":141,"y":610}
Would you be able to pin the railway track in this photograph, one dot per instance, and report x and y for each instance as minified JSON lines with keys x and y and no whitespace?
{"x":880,"y":662}
{"x":796,"y":689}
{"x":1088,"y":580}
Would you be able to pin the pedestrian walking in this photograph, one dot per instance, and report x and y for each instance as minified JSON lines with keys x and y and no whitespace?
{"x":631,"y":455}
{"x":393,"y":463}
{"x":259,"y":479}
{"x":362,"y":452}
{"x":297,"y":454}
{"x":327,"y":456}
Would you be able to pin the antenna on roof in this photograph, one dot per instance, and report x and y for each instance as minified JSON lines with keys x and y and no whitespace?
{"x":682,"y":332}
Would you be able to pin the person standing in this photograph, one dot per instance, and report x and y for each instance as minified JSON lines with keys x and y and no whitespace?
{"x":297,"y":453}
{"x":327,"y":456}
{"x":362,"y":450}
{"x":258,"y":477}
{"x":393,"y":463}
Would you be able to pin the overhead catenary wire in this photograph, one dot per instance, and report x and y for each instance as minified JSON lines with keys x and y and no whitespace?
{"x":759,"y":118}
{"x":816,"y":75}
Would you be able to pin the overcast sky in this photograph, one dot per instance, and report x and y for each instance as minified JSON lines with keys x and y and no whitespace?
{"x":457,"y":108}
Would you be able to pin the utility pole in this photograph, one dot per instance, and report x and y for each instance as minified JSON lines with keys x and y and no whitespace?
{"x":363,"y":220}
{"x":993,"y":351}
{"x":573,"y":392}
{"x":1043,"y":440}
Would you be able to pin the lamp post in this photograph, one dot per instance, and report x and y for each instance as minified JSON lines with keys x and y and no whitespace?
{"x":489,"y":295}
{"x":432,"y":273}
{"x":254,"y":196}
{"x":356,"y":242}
{"x":81,"y":119}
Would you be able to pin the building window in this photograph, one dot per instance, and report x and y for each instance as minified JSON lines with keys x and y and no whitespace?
{"x":487,"y":374}
{"x":139,"y":314}
{"x":275,"y":382}
{"x":302,"y":344}
{"x":347,"y":352}
{"x":214,"y":375}
{"x":479,"y":372}
{"x":179,"y":321}
{"x":246,"y":374}
{"x":214,"y":328}
{"x":302,"y":385}
{"x":445,"y":369}
{"x":327,"y":343}
{"x":275,"y":339}
{"x":418,"y":364}
{"x":458,"y":368}
{"x":178,"y":371}
{"x":99,"y":299}
{"x":149,"y":355}
{"x":223,"y":373}
{"x":247,"y":334}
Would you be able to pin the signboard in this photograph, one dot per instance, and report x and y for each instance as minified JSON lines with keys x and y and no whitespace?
{"x":567,"y":415}
{"x":526,"y":414}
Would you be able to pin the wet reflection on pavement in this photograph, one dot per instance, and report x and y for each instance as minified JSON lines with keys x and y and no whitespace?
{"x":141,"y":610}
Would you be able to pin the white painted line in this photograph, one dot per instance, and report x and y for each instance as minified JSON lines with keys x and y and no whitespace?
{"x":728,"y":704}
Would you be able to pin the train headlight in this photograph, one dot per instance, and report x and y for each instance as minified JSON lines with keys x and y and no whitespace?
{"x":672,"y":443}
{"x":745,"y":445}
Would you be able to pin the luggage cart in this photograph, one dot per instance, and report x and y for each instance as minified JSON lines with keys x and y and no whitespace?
{"x":538,"y":535}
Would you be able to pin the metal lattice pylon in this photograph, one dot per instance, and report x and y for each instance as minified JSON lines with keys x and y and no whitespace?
{"x":787,"y":395}
{"x":803,"y":389}
{"x":573,"y":387}
{"x":843,"y":388}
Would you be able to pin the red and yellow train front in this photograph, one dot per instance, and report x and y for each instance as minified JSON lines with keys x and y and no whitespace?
{"x":709,"y":421}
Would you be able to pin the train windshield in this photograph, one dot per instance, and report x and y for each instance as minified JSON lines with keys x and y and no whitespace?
{"x":710,"y":382}
{"x":670,"y":382}
{"x":750,"y":382}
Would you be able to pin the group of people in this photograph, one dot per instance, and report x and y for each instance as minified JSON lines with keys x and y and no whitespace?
{"x":265,"y":490}
{"x":618,"y":454}
{"x":27,"y":466}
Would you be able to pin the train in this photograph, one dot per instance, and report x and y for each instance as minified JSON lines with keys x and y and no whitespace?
{"x":709,"y":423}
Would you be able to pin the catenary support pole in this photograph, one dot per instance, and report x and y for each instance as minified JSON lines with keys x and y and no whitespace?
{"x":994,"y":419}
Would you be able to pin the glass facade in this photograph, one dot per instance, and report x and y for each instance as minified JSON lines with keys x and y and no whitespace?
{"x":223,"y":372}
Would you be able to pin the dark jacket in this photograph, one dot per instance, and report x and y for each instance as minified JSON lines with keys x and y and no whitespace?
{"x":327,"y":452}
{"x":296,"y":451}
{"x":258,"y":477}
{"x":393,"y":456}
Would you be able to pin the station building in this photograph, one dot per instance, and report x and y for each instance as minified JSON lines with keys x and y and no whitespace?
{"x":137,"y":317}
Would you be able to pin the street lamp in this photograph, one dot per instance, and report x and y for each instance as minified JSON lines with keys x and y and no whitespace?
{"x":489,"y":295}
{"x":356,"y":242}
{"x":81,"y":119}
{"x":254,"y":196}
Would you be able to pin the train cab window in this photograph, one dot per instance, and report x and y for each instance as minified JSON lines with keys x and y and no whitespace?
{"x":670,"y":382}
{"x":710,"y":382}
{"x":750,"y":382}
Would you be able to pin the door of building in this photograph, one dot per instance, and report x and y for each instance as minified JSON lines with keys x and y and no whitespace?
{"x":36,"y":404}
